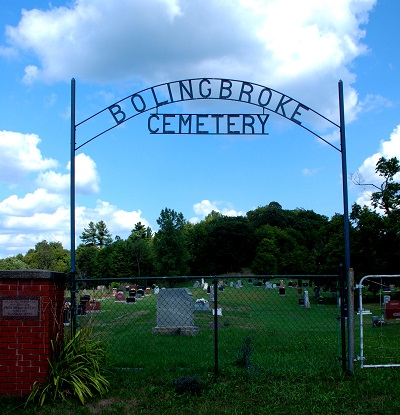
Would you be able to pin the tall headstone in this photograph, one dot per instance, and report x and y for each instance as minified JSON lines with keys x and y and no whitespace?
{"x":175,"y":312}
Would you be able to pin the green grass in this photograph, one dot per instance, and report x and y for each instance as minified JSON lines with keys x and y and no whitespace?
{"x":294,"y":362}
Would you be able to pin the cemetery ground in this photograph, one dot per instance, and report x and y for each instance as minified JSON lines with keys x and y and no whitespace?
{"x":274,"y":357}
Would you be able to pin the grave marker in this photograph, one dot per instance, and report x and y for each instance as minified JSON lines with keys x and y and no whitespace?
{"x":175,"y":312}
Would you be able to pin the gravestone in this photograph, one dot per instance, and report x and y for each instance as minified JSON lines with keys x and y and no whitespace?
{"x":175,"y":312}
{"x":211,"y":292}
{"x":196,"y":284}
{"x":156,"y":290}
{"x":93,"y":306}
{"x":306,"y":300}
{"x":120,"y":297}
{"x":268,"y":285}
{"x":231,"y":284}
{"x":201,"y":305}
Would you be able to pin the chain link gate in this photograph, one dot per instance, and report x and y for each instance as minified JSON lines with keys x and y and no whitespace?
{"x":379,"y":321}
{"x":204,"y":324}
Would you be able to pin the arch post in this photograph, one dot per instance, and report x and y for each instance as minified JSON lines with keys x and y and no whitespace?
{"x":348,"y":270}
{"x":74,"y":305}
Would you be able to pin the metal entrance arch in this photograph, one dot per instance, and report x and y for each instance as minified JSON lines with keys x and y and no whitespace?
{"x":268,"y":99}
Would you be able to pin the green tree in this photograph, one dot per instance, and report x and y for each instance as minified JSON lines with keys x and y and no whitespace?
{"x":387,"y":197}
{"x":230,"y":243}
{"x":86,"y":261}
{"x":48,"y":255}
{"x":13,"y":262}
{"x":139,"y":250}
{"x":170,"y":245}
{"x":96,"y":234}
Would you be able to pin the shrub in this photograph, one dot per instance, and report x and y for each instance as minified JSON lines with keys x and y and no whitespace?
{"x":76,"y":370}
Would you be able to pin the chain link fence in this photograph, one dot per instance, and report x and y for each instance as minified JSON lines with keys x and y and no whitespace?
{"x":205,"y":324}
{"x":378,"y":308}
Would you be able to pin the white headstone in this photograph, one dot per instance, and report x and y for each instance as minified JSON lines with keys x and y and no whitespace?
{"x":306,"y":300}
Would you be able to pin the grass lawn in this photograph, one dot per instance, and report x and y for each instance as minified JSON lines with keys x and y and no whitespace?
{"x":292,"y":366}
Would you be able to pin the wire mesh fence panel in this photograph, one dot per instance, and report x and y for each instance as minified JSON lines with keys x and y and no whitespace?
{"x":278,"y":323}
{"x":183,"y":324}
{"x":378,"y":309}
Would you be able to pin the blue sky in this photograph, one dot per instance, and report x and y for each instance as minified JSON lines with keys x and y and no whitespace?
{"x":115,"y":49}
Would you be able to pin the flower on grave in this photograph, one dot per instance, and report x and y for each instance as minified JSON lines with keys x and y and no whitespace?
{"x":202,"y":301}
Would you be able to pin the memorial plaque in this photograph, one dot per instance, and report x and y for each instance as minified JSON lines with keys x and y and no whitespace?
{"x":19,"y":308}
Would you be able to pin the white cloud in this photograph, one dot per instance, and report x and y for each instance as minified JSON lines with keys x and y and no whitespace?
{"x":87,"y":180}
{"x":205,"y":207}
{"x":388,"y":149}
{"x":21,"y":156}
{"x":31,"y":74}
{"x":309,"y":172}
{"x":305,"y":47}
{"x":22,"y":227}
{"x":39,"y":200}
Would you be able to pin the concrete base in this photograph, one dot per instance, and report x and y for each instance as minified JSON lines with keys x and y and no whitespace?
{"x":179,"y":331}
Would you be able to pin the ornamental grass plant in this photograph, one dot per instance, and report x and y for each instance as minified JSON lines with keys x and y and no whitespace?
{"x":76,"y":370}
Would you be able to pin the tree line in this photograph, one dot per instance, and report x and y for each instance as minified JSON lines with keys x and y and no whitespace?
{"x":269,"y":240}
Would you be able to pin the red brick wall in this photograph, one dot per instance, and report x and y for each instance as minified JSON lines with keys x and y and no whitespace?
{"x":25,"y":340}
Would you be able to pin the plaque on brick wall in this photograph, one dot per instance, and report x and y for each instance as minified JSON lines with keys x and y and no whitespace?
{"x":20,"y":308}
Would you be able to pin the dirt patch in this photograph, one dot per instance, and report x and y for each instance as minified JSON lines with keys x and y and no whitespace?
{"x":113,"y":405}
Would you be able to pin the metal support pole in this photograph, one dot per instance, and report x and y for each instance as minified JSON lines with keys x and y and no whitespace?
{"x":350,"y":284}
{"x":215,"y":328}
{"x":74,"y":305}
{"x":342,"y":318}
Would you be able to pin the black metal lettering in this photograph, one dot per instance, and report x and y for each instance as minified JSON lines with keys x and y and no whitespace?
{"x":225,"y":88}
{"x":264,"y":104}
{"x":217,"y":118}
{"x":201,"y":88}
{"x":246,"y":123}
{"x":165,"y":123}
{"x":200,"y":124}
{"x":296,"y":112}
{"x":118,"y":111}
{"x":171,"y":98}
{"x":281,"y":105}
{"x":158,"y":104}
{"x":189,"y":91}
{"x":143,"y":108}
{"x":244,"y":92}
{"x":231,"y":124}
{"x":188,"y":122}
{"x":261,"y":121}
{"x":151,"y":130}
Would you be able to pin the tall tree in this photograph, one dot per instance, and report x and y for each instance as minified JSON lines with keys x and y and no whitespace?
{"x":48,"y":255}
{"x":387,"y":197}
{"x":138,"y":250}
{"x":170,"y":244}
{"x":96,"y":234}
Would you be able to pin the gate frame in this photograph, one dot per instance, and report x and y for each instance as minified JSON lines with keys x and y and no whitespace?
{"x":349,"y":272}
{"x":361,"y":357}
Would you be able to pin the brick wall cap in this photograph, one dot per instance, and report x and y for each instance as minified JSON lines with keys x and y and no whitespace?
{"x":29,"y":274}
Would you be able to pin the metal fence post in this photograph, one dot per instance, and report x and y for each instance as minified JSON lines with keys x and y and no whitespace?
{"x":215,"y":282}
{"x":342,"y":317}
{"x":350,"y":319}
